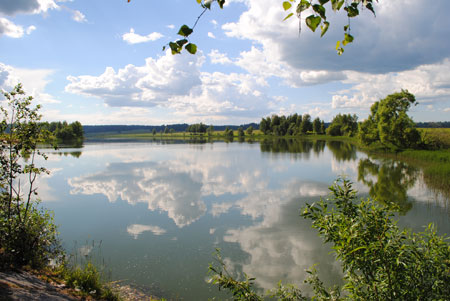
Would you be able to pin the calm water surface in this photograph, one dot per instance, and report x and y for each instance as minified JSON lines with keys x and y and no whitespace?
{"x":160,"y":209}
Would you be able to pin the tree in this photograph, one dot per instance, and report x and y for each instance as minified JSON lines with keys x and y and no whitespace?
{"x":306,"y":124}
{"x":389,"y":124}
{"x":316,"y":126}
{"x":292,"y":7}
{"x":241,"y":133}
{"x":27,"y":234}
{"x":343,"y":125}
{"x":154,"y":131}
{"x":249,"y":130}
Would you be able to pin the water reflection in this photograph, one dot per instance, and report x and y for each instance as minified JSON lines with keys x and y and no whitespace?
{"x":342,"y":151}
{"x":297,"y":146}
{"x":388,"y":181}
{"x":153,"y":183}
{"x":186,"y":199}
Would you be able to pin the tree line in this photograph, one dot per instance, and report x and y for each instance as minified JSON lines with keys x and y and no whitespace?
{"x":64,"y":131}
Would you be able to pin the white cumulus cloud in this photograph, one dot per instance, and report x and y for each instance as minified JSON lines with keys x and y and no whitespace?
{"x":134,"y":38}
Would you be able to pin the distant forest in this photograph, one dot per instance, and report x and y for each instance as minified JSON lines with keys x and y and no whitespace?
{"x":122,"y":129}
{"x":106,"y":129}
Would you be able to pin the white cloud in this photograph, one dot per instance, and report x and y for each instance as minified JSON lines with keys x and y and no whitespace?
{"x":34,"y":81}
{"x":134,"y":38}
{"x":10,"y":29}
{"x":174,"y":82}
{"x":170,"y":26}
{"x":393,"y":41}
{"x":30,"y":29}
{"x":78,"y":16}
{"x":218,"y":58}
{"x":429,"y":83}
{"x":136,"y":229}
{"x":211,"y":35}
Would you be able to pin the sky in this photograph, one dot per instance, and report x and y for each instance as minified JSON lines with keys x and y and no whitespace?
{"x":101,"y":61}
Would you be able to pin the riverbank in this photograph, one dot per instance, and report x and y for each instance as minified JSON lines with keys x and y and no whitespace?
{"x":40,"y":285}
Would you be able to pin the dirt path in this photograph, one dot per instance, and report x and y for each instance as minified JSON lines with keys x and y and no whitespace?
{"x":26,"y":286}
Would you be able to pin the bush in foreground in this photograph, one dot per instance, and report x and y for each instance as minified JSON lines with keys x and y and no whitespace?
{"x":379,"y":260}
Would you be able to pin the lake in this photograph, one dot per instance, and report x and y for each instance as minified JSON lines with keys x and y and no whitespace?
{"x":154,"y":211}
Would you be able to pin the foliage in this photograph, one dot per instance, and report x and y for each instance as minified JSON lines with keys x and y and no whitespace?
{"x":435,"y":138}
{"x":343,"y":125}
{"x":249,"y":130}
{"x":389,"y":124}
{"x":28,"y":235}
{"x":241,"y":132}
{"x":318,"y":17}
{"x":228,"y":133}
{"x":87,"y":279}
{"x":379,"y":260}
{"x":288,"y":126}
{"x":64,"y":131}
{"x":196,"y":128}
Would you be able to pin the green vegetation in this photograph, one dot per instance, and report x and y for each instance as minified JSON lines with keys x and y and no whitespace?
{"x":65,"y":132}
{"x":28,"y":234}
{"x":343,"y":125}
{"x":389,"y":125}
{"x":292,"y":125}
{"x":379,"y":260}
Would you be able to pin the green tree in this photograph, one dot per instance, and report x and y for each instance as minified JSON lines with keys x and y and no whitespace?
{"x":316,"y":126}
{"x":343,"y":125}
{"x":28,"y":235}
{"x":389,"y":124}
{"x":210,"y":130}
{"x":306,"y":124}
{"x":249,"y":130}
{"x":241,"y":132}
{"x":154,"y":131}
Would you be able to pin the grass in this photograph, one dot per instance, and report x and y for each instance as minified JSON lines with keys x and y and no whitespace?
{"x":438,"y":136}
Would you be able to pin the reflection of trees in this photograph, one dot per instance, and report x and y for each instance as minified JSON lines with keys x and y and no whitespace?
{"x":342,"y":151}
{"x":292,"y":146}
{"x":394,"y":178}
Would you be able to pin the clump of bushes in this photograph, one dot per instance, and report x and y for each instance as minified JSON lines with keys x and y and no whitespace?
{"x":379,"y":260}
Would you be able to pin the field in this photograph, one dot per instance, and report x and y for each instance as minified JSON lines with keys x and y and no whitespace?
{"x":439,"y":136}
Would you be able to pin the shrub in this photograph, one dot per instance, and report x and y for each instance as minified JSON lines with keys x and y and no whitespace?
{"x":379,"y":260}
{"x":28,"y":235}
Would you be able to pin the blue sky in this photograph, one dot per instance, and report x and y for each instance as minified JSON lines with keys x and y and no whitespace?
{"x":101,"y":62}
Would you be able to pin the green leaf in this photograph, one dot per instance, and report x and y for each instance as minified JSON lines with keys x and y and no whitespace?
{"x":207,"y":4}
{"x":288,"y":16}
{"x":312,"y":22}
{"x":221,"y":3}
{"x":370,"y":7}
{"x":348,"y":39}
{"x":174,"y":47}
{"x":181,"y":42}
{"x":322,"y":2}
{"x":346,"y":27}
{"x":185,"y":31}
{"x":191,"y":48}
{"x":324,"y":28}
{"x":320,"y":10}
{"x":302,"y":6}
{"x":287,"y":5}
{"x":337,"y":4}
{"x":352,"y":11}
